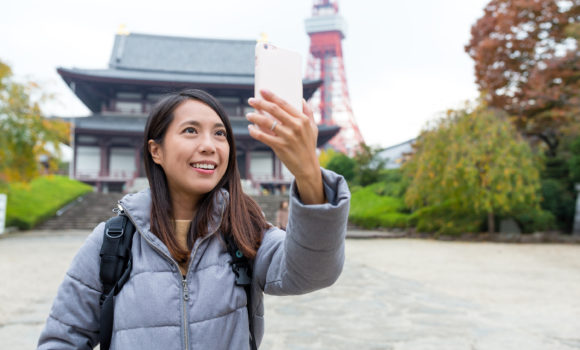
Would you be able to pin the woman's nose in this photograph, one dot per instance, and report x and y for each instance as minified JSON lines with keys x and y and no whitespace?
{"x":207,"y":144}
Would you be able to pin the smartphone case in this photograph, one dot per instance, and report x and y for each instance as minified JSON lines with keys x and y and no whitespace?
{"x":280,"y":71}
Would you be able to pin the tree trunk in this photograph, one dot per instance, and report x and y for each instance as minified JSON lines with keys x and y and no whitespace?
{"x":490,"y":223}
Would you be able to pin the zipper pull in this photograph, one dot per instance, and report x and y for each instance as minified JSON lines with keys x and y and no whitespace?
{"x":119,"y":209}
{"x":185,"y":290}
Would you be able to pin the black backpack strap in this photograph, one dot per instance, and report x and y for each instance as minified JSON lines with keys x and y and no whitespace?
{"x":243,"y":271}
{"x":115,"y":270}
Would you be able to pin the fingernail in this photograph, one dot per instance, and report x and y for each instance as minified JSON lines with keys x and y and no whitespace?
{"x":251,"y":100}
{"x":265,"y":92}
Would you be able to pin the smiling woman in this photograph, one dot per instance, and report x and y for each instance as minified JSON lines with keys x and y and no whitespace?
{"x":193,"y":154}
{"x":182,"y":292}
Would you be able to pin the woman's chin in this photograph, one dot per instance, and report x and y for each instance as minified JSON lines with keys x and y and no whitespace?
{"x":201,"y":189}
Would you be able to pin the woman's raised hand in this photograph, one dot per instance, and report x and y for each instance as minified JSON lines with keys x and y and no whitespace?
{"x":292,"y":135}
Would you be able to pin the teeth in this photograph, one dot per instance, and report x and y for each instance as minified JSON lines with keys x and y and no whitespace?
{"x":204,"y":166}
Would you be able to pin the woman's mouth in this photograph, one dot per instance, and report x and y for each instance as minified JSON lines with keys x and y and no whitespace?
{"x":204,"y":168}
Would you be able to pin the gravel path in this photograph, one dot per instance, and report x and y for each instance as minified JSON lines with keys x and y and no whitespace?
{"x":393,"y":294}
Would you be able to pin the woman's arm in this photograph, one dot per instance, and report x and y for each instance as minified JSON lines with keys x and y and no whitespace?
{"x":310,"y":254}
{"x":73,"y":322}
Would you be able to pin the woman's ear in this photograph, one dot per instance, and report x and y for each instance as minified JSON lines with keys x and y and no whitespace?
{"x":155,"y":150}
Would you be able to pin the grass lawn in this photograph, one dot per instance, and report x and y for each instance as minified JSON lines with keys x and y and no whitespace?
{"x":30,"y":203}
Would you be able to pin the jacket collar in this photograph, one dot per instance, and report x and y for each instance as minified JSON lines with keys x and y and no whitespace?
{"x":138,"y":207}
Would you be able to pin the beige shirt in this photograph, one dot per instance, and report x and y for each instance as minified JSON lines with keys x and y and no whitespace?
{"x":181,"y":230}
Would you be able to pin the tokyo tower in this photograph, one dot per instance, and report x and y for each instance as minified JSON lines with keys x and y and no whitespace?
{"x":331,"y":103}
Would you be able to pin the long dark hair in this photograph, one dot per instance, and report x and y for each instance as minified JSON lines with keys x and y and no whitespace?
{"x":242,"y":217}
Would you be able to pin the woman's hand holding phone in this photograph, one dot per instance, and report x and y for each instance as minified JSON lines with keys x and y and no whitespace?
{"x":292,"y":135}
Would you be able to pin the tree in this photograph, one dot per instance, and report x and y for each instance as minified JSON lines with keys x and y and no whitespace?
{"x":325,"y":156}
{"x":527,"y":63}
{"x":369,"y":165}
{"x":472,"y":162}
{"x":574,"y":161}
{"x":25,"y":132}
{"x":342,"y":164}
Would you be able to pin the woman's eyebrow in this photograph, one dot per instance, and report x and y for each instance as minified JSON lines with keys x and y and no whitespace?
{"x":196,"y":123}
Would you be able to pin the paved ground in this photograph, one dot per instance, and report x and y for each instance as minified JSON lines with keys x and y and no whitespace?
{"x":393,"y":294}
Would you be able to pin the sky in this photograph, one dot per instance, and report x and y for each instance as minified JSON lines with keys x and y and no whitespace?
{"x":405,"y":60}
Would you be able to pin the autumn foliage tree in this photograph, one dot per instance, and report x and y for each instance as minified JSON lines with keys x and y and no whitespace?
{"x":475,"y":164}
{"x":25,"y":133}
{"x":527,"y":63}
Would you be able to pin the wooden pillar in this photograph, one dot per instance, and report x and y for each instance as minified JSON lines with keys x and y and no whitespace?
{"x":102,"y":151}
{"x":75,"y":156}
{"x":137,"y":160}
{"x":274,"y":166}
{"x":248,"y":160}
{"x":105,"y":150}
{"x":279,"y":166}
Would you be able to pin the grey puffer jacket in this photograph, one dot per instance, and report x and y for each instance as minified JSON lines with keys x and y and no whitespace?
{"x":158,"y":309}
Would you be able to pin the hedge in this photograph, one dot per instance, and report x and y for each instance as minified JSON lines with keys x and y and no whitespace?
{"x":370,"y":210}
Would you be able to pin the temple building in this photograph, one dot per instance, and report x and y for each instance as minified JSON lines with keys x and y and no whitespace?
{"x":107,"y":145}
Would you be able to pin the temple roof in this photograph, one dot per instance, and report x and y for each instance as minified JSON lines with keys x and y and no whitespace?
{"x":161,"y":64}
{"x":171,"y":54}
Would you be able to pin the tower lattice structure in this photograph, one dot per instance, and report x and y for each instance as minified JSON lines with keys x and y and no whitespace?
{"x":331,"y":103}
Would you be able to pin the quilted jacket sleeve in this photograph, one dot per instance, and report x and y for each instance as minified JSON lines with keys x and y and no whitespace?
{"x":73,"y":322}
{"x":310,"y":254}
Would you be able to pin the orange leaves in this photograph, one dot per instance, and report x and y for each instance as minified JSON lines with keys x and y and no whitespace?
{"x":525,"y":60}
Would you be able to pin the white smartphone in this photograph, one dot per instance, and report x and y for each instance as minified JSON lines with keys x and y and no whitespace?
{"x":280,"y":71}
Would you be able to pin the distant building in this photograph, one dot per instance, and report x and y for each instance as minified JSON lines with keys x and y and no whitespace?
{"x":395,"y":155}
{"x":107,"y":144}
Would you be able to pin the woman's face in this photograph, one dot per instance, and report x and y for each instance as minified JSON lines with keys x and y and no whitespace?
{"x":194,"y":152}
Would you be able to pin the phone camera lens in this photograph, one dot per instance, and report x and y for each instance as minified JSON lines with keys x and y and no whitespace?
{"x":266,"y":46}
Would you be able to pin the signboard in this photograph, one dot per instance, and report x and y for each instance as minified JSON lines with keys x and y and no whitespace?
{"x":2,"y":212}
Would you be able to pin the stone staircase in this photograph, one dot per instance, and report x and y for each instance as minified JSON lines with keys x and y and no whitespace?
{"x":88,"y":211}
{"x":270,"y":205}
{"x":85,"y":213}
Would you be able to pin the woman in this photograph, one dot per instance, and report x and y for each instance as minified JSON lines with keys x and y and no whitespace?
{"x":282,"y":215}
{"x":181,"y":292}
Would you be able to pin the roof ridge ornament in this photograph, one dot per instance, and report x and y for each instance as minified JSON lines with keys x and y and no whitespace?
{"x":122,"y":30}
{"x":263,"y":37}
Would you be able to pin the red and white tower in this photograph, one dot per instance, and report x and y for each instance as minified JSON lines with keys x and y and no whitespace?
{"x":331,"y":103}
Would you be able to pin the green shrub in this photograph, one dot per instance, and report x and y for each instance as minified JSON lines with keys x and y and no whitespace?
{"x":343,"y":165}
{"x":445,"y":219}
{"x":558,"y":200}
{"x":391,"y":189}
{"x":535,"y":219}
{"x":555,"y":168}
{"x":391,"y":175}
{"x":574,"y":161}
{"x":370,"y":210}
{"x":30,"y":203}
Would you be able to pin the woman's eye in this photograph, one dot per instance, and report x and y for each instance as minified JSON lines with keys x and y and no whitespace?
{"x":221,"y":133}
{"x":189,"y":130}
